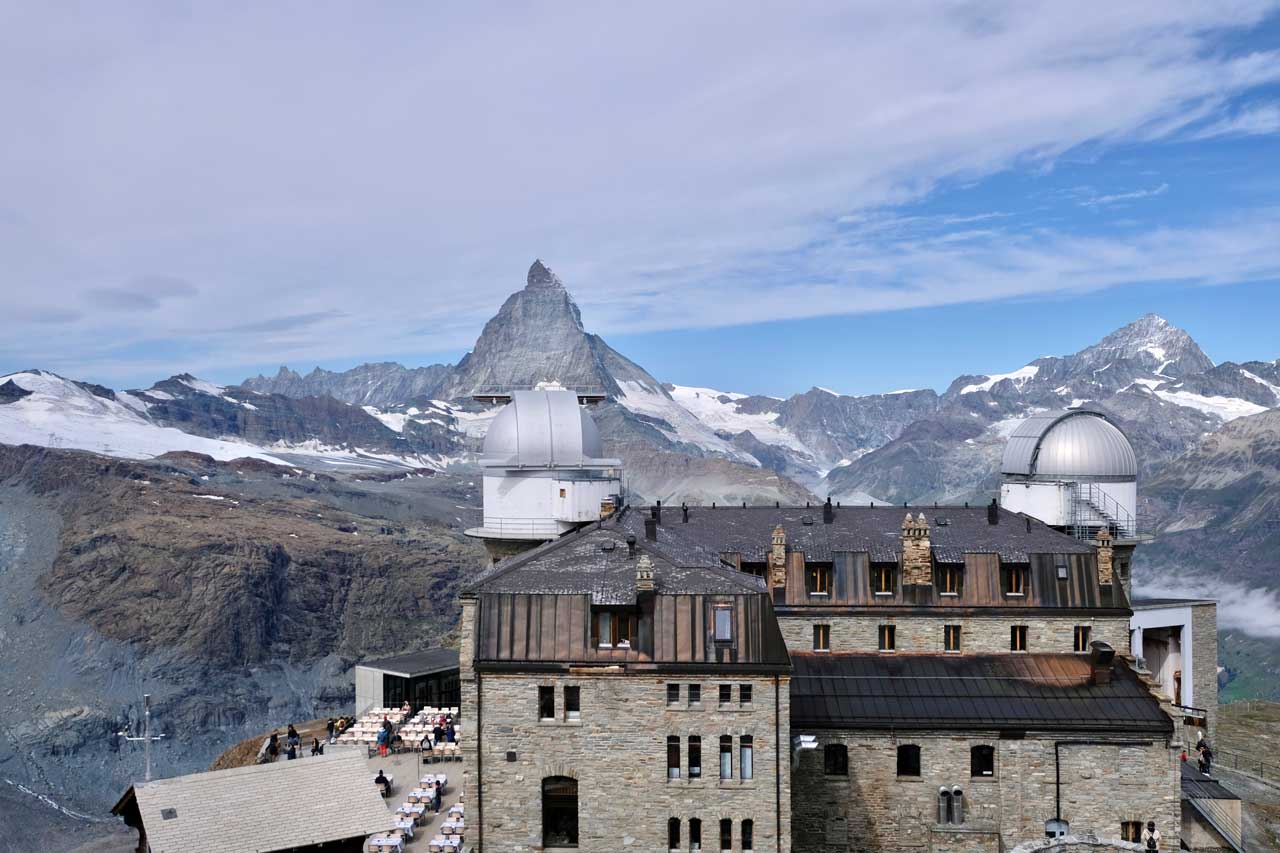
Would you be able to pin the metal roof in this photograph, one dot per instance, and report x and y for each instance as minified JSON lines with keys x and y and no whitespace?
{"x":542,"y":429}
{"x":279,"y":806}
{"x":1069,"y":444}
{"x":416,"y":663}
{"x":1004,"y":691}
{"x":1197,"y":786}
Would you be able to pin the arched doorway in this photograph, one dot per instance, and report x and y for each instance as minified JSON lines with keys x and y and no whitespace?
{"x":559,"y":811}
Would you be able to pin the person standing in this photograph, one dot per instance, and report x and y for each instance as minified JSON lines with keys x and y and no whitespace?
{"x":330,"y":727}
{"x":1151,"y":836}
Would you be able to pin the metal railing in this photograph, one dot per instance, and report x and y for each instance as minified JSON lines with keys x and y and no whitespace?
{"x":1093,"y":509}
{"x":1249,"y":765}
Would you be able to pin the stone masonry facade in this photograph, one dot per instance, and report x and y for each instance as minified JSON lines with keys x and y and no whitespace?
{"x":1204,"y":663}
{"x":873,"y":809}
{"x":617,"y":751}
{"x":979,"y":634}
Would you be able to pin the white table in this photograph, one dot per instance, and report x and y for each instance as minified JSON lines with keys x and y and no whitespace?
{"x":406,"y":826}
{"x":387,"y":841}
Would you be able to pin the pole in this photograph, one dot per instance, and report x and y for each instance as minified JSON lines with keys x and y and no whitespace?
{"x":146,"y":732}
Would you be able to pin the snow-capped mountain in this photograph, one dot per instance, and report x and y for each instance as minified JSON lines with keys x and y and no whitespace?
{"x":184,"y":413}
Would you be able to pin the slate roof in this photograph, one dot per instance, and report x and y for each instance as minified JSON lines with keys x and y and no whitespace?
{"x":595,"y":560}
{"x":416,"y":663}
{"x":1006,"y":691}
{"x":262,"y":808}
{"x":875,"y":530}
{"x":1197,"y":786}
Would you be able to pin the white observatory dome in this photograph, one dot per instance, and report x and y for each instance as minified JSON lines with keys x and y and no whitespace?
{"x":543,"y":429}
{"x":1069,"y":445}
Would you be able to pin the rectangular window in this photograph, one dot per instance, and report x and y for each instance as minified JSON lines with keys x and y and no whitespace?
{"x":1082,"y":638}
{"x":887,"y":638}
{"x":562,"y":493}
{"x":726,"y":834}
{"x":546,"y":703}
{"x":573,"y":703}
{"x":695,"y":694}
{"x":726,"y":757}
{"x":695,"y":834}
{"x":908,"y":760}
{"x":723,"y":624}
{"x":835,"y":759}
{"x":673,"y":694}
{"x":746,"y":757}
{"x":948,"y":579}
{"x":744,"y":694}
{"x":1015,"y":580}
{"x":951,"y":638}
{"x":1018,"y":638}
{"x":818,"y":580}
{"x":604,"y":629}
{"x":673,"y":757}
{"x":1131,"y":831}
{"x":748,"y":836}
{"x":882,"y":579}
{"x":822,"y":638}
{"x":726,"y":694}
{"x":695,"y":757}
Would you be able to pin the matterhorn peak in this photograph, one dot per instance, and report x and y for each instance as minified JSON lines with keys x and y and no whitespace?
{"x":540,"y":275}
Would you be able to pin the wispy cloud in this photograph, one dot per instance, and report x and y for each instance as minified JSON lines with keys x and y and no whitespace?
{"x":1255,"y":121}
{"x":1133,"y":195}
{"x":1254,"y":611}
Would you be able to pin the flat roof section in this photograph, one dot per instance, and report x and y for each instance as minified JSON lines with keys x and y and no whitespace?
{"x":415,"y":664}
{"x":1158,"y":603}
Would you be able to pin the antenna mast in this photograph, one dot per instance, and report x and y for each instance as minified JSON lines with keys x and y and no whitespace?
{"x":146,"y":733}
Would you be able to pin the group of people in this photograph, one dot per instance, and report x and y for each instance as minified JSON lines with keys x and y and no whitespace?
{"x":292,"y":744}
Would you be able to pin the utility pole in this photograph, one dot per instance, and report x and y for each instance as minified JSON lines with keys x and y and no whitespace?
{"x":146,"y":733}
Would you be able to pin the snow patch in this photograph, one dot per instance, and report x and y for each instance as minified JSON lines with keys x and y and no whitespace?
{"x":1226,"y":408}
{"x":204,"y":387}
{"x":706,"y":405}
{"x":1020,"y":378}
{"x":1274,"y":389}
{"x":683,"y":425}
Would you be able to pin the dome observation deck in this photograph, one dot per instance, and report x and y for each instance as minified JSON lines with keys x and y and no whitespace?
{"x":1075,"y":470}
{"x":545,"y":472}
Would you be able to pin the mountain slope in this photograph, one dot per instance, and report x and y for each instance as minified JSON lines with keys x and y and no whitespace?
{"x":380,"y":385}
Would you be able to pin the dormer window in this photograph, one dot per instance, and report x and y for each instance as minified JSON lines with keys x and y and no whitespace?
{"x":723,"y":614}
{"x":614,"y":629}
{"x":882,"y":579}
{"x":818,"y":579}
{"x":949,"y":579}
{"x":1015,"y":580}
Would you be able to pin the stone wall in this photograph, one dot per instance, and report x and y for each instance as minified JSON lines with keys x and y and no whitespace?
{"x":979,"y":634}
{"x":1204,"y":662}
{"x":617,"y":751}
{"x":872,"y":809}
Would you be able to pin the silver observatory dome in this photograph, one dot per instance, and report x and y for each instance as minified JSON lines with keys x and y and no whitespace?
{"x":1068,"y":445}
{"x":543,"y":429}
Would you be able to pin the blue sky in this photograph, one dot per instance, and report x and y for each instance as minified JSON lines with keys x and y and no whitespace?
{"x":824,"y":208}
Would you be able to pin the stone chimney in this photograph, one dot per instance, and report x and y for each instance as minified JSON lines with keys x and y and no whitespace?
{"x":828,"y":512}
{"x":917,"y":564}
{"x":778,"y":559}
{"x":644,"y":574}
{"x":1106,"y":572}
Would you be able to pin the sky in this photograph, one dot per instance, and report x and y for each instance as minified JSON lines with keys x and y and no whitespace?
{"x":756,"y":198}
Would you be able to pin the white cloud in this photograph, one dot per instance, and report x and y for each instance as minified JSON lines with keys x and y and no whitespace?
{"x":1135,"y":195}
{"x":384,"y":174}
{"x":1256,"y":121}
{"x":1254,"y":611}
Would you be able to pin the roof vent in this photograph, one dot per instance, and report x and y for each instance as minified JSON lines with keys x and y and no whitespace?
{"x":169,"y":814}
{"x":828,"y":512}
{"x":806,"y":520}
{"x":651,"y":529}
{"x":631,"y":544}
{"x":684,"y":513}
{"x":1101,"y":656}
{"x":993,"y":512}
{"x":608,"y":546}
{"x":939,"y":521}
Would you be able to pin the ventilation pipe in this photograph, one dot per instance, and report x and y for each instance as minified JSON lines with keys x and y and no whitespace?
{"x":944,"y":805}
{"x":828,"y":512}
{"x":631,"y":544}
{"x":993,"y":512}
{"x":957,"y":805}
{"x":684,"y":513}
{"x":651,"y":529}
{"x":657,"y":512}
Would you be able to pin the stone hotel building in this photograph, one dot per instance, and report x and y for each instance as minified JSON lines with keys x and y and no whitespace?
{"x":813,"y":679}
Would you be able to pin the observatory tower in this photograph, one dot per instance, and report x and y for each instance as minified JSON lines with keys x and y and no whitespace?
{"x":545,"y":472}
{"x":1075,"y":471}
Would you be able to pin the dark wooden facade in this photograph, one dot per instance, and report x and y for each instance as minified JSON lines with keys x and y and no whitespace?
{"x":671,"y":629}
{"x":982,"y":583}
